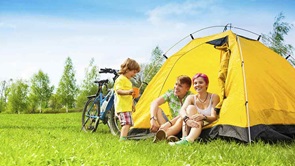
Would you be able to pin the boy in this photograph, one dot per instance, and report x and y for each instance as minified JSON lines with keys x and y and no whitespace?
{"x":124,"y":92}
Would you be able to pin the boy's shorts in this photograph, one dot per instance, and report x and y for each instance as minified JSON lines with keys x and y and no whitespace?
{"x":125,"y":118}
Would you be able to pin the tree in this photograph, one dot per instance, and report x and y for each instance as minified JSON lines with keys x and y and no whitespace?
{"x":18,"y":97}
{"x":54,"y":103}
{"x":88,"y":86}
{"x":138,"y":81}
{"x":41,"y":91}
{"x":275,"y":39}
{"x":2,"y":96}
{"x":67,"y":88}
{"x":4,"y":91}
{"x":150,"y":70}
{"x":5,"y":86}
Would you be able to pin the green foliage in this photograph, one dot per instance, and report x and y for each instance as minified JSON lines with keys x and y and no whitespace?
{"x":275,"y":39}
{"x":156,"y":63}
{"x":41,"y":91}
{"x":17,"y":98}
{"x":53,"y":103}
{"x":88,"y":87}
{"x":148,"y":71}
{"x":2,"y":99}
{"x":4,"y":91}
{"x":2,"y":106}
{"x":67,"y":88}
{"x":56,"y":139}
{"x":138,"y":80}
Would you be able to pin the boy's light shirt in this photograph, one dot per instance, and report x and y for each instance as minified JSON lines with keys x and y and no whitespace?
{"x":123,"y":103}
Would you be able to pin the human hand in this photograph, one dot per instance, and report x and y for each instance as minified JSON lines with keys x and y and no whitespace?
{"x":130,"y":92}
{"x":154,"y":126}
{"x":192,"y":123}
{"x":197,"y":117}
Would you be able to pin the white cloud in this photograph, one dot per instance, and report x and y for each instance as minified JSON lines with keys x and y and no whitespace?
{"x":5,"y":26}
{"x":176,"y":12}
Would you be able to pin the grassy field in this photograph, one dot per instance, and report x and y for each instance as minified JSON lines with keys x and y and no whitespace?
{"x":56,"y":139}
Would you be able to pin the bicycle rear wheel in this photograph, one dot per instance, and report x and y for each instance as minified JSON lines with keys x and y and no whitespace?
{"x":114,"y":122}
{"x":90,"y":115}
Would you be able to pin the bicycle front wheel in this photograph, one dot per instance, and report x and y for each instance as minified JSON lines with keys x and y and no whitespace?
{"x":90,"y":115}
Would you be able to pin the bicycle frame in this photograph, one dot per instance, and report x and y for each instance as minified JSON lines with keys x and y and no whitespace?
{"x":106,"y":103}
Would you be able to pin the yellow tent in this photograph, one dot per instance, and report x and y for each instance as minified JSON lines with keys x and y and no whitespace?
{"x":256,"y":85}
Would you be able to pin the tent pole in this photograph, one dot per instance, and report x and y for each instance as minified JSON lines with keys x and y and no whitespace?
{"x":245,"y":89}
{"x":164,"y":55}
{"x":287,"y":57}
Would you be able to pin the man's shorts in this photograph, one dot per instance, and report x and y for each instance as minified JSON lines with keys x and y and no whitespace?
{"x":165,"y":116}
{"x":125,"y":118}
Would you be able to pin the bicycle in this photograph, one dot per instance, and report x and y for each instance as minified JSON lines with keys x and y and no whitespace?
{"x":100,"y":107}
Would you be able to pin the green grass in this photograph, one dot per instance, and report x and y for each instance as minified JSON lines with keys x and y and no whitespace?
{"x":56,"y":139}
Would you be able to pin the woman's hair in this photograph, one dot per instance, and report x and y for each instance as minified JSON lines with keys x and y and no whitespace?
{"x":204,"y":76}
{"x":183,"y":79}
{"x":129,"y":64}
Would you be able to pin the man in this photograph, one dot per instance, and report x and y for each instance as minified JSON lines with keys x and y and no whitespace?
{"x":175,"y":97}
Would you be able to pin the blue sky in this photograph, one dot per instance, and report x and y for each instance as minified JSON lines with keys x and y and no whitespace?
{"x":40,"y":34}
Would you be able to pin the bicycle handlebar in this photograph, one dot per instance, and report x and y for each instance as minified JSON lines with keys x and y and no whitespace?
{"x":101,"y":81}
{"x":108,"y":70}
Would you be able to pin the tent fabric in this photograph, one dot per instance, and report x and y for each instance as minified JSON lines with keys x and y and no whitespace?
{"x":224,"y":60}
{"x":258,"y":88}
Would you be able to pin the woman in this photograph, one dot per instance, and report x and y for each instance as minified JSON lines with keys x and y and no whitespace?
{"x":197,"y":110}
